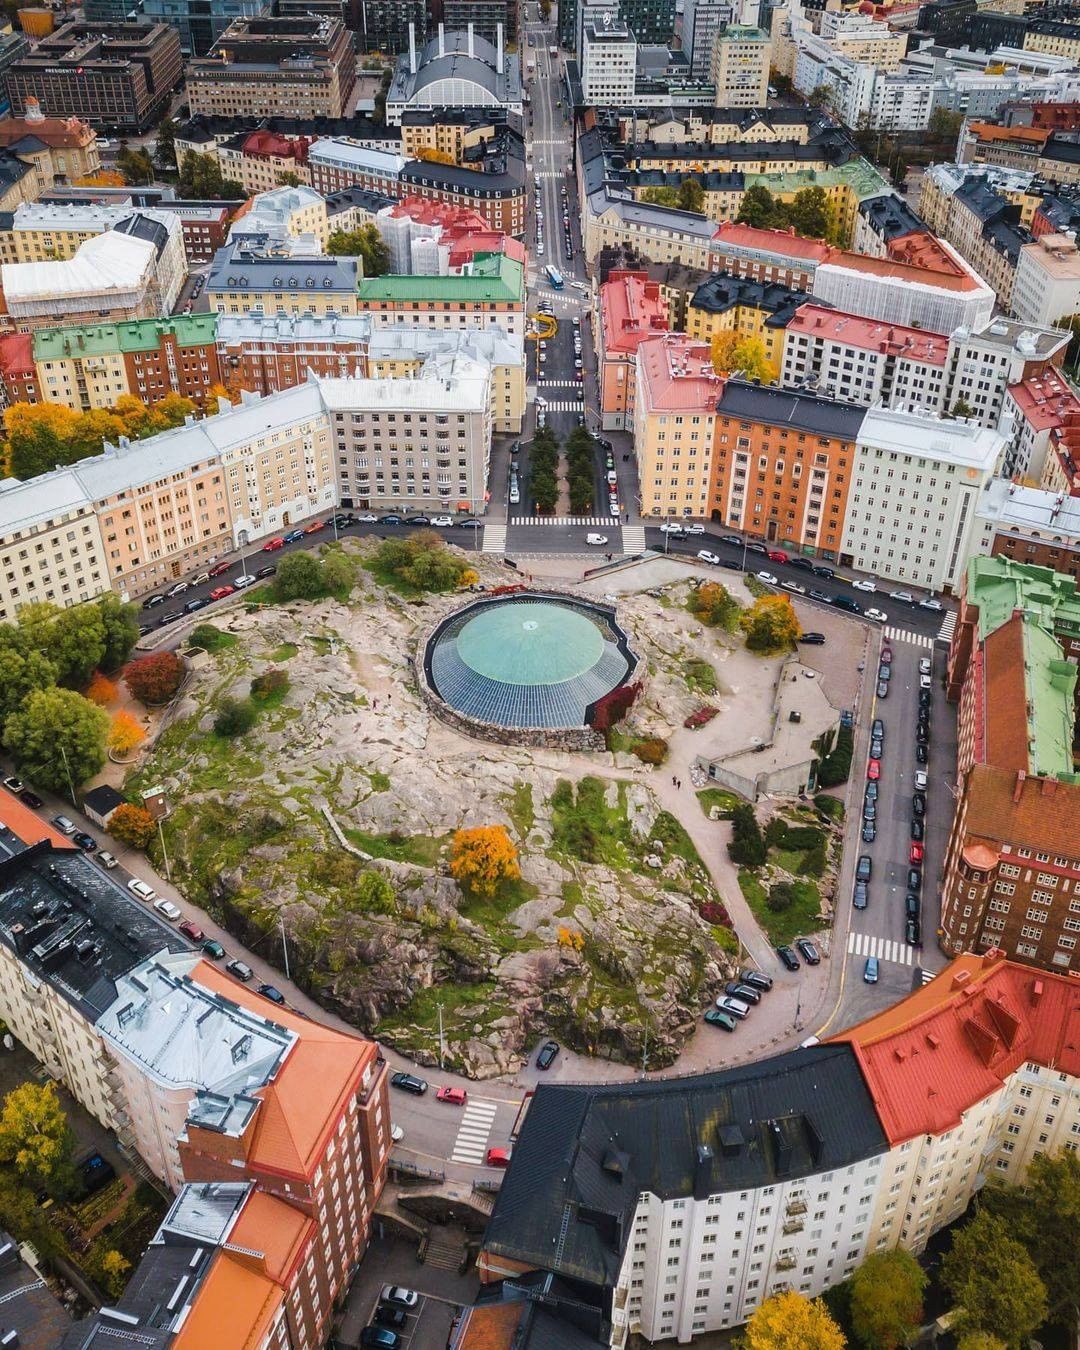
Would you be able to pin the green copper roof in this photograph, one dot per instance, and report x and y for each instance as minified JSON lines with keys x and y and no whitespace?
{"x":1000,"y":586}
{"x":135,"y":335}
{"x":1050,"y":684}
{"x":494,"y":278}
{"x":858,"y":174}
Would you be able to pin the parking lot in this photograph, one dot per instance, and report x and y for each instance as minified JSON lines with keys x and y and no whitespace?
{"x":442,"y":1293}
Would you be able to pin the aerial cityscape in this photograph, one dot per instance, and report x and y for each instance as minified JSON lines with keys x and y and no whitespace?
{"x":539,"y":631}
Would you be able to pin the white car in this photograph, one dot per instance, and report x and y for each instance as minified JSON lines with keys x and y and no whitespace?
{"x":168,"y":909}
{"x":673,"y":529}
{"x":442,"y":522}
{"x":863,"y":586}
{"x":767,"y":577}
{"x":794,"y":586}
{"x":922,"y":778}
{"x":693,"y":529}
{"x":244,"y":581}
{"x":599,"y":540}
{"x":905,"y":597}
{"x":106,"y":859}
{"x":142,"y":890}
{"x":926,"y":665}
{"x":705,"y":556}
{"x":368,"y":518}
{"x":930,"y":603}
{"x":515,"y":496}
{"x":878,"y":615}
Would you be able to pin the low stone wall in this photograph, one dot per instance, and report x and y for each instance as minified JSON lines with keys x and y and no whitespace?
{"x":541,"y":738}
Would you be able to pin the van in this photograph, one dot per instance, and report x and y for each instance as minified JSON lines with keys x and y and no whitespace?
{"x":142,"y":890}
{"x":735,"y":1006}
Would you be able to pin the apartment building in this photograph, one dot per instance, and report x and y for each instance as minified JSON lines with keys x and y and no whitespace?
{"x":782,"y":466}
{"x":660,"y":234}
{"x":490,"y":179}
{"x":864,"y":361}
{"x":821,"y":1157}
{"x":739,"y":66}
{"x":1047,"y":283}
{"x":866,"y":38}
{"x":915,"y":489}
{"x":1012,"y":865}
{"x":882,"y":219}
{"x":608,"y":64}
{"x":117,"y":75}
{"x":336,"y":162}
{"x":62,"y":150}
{"x":675,"y":408}
{"x":111,"y":276}
{"x":631,"y":309}
{"x":985,"y":361}
{"x":490,"y":293}
{"x":767,"y":255}
{"x":1030,"y":525}
{"x":242,"y":281}
{"x":403,"y":353}
{"x":301,"y":66}
{"x":260,"y":160}
{"x":1044,"y":413}
{"x":50,"y":544}
{"x":701,"y":21}
{"x":284,"y":221}
{"x":746,"y":308}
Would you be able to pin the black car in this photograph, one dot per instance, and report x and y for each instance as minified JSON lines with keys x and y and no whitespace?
{"x":917,"y":829}
{"x":388,"y":1316}
{"x":861,"y":895}
{"x":389,"y":520}
{"x":913,"y":933}
{"x":85,"y":841}
{"x":264,"y":572}
{"x":884,"y":671}
{"x":803,"y":563}
{"x":922,"y":753}
{"x":171,"y":617}
{"x":752,"y":547}
{"x":925,"y":700}
{"x":546,"y":1058}
{"x":877,"y":729}
{"x":883,"y":688}
{"x":193,"y":605}
{"x":273,"y":994}
{"x":817,"y":595}
{"x":417,"y":520}
{"x":732,"y":539}
{"x":152,"y":600}
{"x":877,"y":746}
{"x":732,"y":564}
{"x":824,"y":572}
{"x":922,"y":734}
{"x":918,"y":803}
{"x":813,"y":639}
{"x":408,"y":1082}
{"x":788,"y":959}
{"x":869,"y":832}
{"x":756,"y":979}
{"x":846,"y":602}
{"x":240,"y":969}
{"x":30,"y":799}
{"x":869,"y":810}
{"x":871,"y":793}
{"x":743,"y":991}
{"x":865,"y":867}
{"x":469,"y":524}
{"x":808,"y":951}
{"x":911,"y":905}
{"x":914,"y":879}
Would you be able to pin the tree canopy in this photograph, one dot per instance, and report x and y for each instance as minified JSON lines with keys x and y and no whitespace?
{"x":35,"y":1137}
{"x":791,"y":1322}
{"x":41,"y":436}
{"x":994,"y":1282}
{"x":200,"y":176}
{"x":770,"y":624}
{"x":365,"y":243}
{"x":807,"y":213}
{"x":57,"y":738}
{"x":886,"y":1299}
{"x":482,"y":858}
{"x":745,"y":356}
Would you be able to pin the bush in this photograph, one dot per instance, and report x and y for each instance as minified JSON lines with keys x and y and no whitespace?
{"x":816,"y":860}
{"x":154,"y":679}
{"x":836,"y":766}
{"x":101,"y":690}
{"x":747,"y":846}
{"x":209,"y":638}
{"x":651,"y":751}
{"x":299,"y":577}
{"x":776,"y":832}
{"x":780,"y":897}
{"x":132,"y":825}
{"x":234,"y":717}
{"x":270,"y":684}
{"x":711,"y":605}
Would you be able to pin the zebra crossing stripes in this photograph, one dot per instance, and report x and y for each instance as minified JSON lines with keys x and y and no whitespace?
{"x":558,"y":384}
{"x":564,"y":405}
{"x":945,"y":632}
{"x":633,"y":539}
{"x":494,"y":539}
{"x":607,"y":521}
{"x":885,"y":949}
{"x":925,"y":976}
{"x":470,"y":1146}
{"x":905,"y":635}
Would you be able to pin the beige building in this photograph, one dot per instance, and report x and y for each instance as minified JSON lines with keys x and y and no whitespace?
{"x":714,"y":126}
{"x":260,"y":160}
{"x":1059,"y":43}
{"x":658,"y":233}
{"x":281,"y":284}
{"x":61,"y":150}
{"x":740,"y":67}
{"x":50,"y":544}
{"x":1047,"y":283}
{"x":862,"y":38}
{"x":283,"y":213}
{"x":443,"y":132}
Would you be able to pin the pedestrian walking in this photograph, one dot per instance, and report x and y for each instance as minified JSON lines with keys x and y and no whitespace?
{"x":674,"y":781}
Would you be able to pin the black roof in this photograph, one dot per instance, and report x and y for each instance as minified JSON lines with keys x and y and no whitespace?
{"x":336,"y":202}
{"x":587,"y":1151}
{"x":723,"y":291}
{"x":28,"y":1306}
{"x":205,"y":128}
{"x":142,"y":227}
{"x":499,"y":160}
{"x":890,"y":217}
{"x":103,"y":799}
{"x":830,"y":146}
{"x":805,"y":412}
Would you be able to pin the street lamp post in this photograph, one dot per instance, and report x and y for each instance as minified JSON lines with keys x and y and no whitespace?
{"x":67,"y":771}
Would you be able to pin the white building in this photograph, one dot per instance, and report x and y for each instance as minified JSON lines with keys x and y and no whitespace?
{"x":739,"y":69}
{"x":1037,"y":525}
{"x":110,"y":275}
{"x":50,"y":543}
{"x":1047,"y":283}
{"x":608,"y":63}
{"x":914,"y":491}
{"x":455,"y":70}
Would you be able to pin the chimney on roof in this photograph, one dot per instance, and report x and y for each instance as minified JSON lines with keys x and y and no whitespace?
{"x":472,"y":45}
{"x":1018,"y":788}
{"x":412,"y":49}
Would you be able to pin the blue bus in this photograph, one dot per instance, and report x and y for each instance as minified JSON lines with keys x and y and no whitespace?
{"x":554,"y":276}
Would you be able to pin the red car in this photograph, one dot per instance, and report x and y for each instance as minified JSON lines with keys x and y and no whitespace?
{"x":915,"y":853}
{"x":778,"y":555}
{"x":455,"y":1096}
{"x":886,"y":656}
{"x":220,"y":592}
{"x":218,"y":568}
{"x":315,"y":527}
{"x":272,"y":545}
{"x":192,"y":931}
{"x":498,"y":1157}
{"x":873,"y":770}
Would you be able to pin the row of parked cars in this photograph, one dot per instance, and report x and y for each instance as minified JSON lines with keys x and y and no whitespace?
{"x":738,"y":998}
{"x":390,"y":1317}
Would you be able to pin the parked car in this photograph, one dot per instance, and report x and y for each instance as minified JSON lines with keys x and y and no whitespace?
{"x":825,"y":572}
{"x":876,"y":747}
{"x":379,"y":1338}
{"x":243,"y":581}
{"x":548,"y":1052}
{"x":913,"y":932}
{"x":272,"y":993}
{"x":167,"y":909}
{"x":877,"y":728}
{"x":240,"y":969}
{"x":869,"y":832}
{"x":220,"y":592}
{"x":918,"y":803}
{"x":15,"y":785}
{"x":272,"y":545}
{"x":743,"y":991}
{"x":388,"y":1316}
{"x":873,"y":769}
{"x":809,"y":952}
{"x":142,"y":890}
{"x":926,"y":665}
{"x":870,"y":793}
{"x":293,"y":536}
{"x":213,"y":949}
{"x":399,"y":1296}
{"x":767,"y":577}
{"x":813,"y":639}
{"x":864,"y":867}
{"x":911,"y":904}
{"x":878,"y":615}
{"x":178,"y":589}
{"x":264,"y":572}
{"x":153,"y":600}
{"x":85,"y":841}
{"x":930,"y":603}
{"x":846,"y":602}
{"x":95,"y":1172}
{"x":706,"y":557}
{"x":716,"y":1018}
{"x":905,"y":597}
{"x":778,"y":555}
{"x":914,"y":879}
{"x":788,"y":959}
{"x":597,"y":540}
{"x":803,"y":563}
{"x":922,"y":753}
{"x":796,"y":589}
{"x":408,"y":1082}
{"x":922,"y":780}
{"x":870,"y":970}
{"x":917,"y":828}
{"x":219,"y":569}
{"x":200,"y":602}
{"x":454,"y":1095}
{"x":860,"y":895}
{"x":314,"y":526}
{"x":867,"y":586}
{"x":756,"y":979}
{"x":64,"y":825}
{"x":734,"y":1007}
{"x":883,"y":688}
{"x":106,"y":859}
{"x":869,"y":810}
{"x":886,"y":656}
{"x":192,"y":931}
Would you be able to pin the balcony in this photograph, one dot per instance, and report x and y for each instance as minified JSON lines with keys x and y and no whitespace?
{"x":796,"y":1207}
{"x":785,"y":1263}
{"x":793,"y":1226}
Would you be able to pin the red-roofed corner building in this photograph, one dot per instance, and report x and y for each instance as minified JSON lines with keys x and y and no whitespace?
{"x":18,"y":374}
{"x":1045,"y":415}
{"x":972,"y":1075}
{"x":632,"y":308}
{"x":767,"y":255}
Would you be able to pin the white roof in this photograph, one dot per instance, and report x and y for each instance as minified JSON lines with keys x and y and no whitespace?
{"x":957,"y":443}
{"x":445,"y":384}
{"x":47,"y":497}
{"x":1052,"y":515}
{"x":355,"y":155}
{"x":108,"y":262}
{"x":492,"y":345}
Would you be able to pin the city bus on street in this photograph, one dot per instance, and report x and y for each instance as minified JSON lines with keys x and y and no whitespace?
{"x":554,"y":276}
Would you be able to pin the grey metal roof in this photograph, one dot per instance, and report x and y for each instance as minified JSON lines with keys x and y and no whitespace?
{"x":890,"y":216}
{"x":205,"y":1210}
{"x":804,"y":412}
{"x":455,"y":63}
{"x":28,"y":1307}
{"x":587,"y":1151}
{"x":723,"y":291}
{"x":233,"y":270}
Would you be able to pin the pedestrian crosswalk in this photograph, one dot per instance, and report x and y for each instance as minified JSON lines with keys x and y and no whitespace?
{"x":608,"y":522}
{"x":885,"y":949}
{"x":494,"y":539}
{"x":558,"y":384}
{"x":564,"y":405}
{"x":470,"y":1146}
{"x":905,"y":635}
{"x":925,"y":976}
{"x":633,"y":539}
{"x":945,"y":632}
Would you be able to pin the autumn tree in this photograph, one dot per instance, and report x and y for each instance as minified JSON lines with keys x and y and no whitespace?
{"x":132,"y":825}
{"x":993,"y":1281}
{"x":101,"y":690}
{"x":886,"y":1299}
{"x":432,"y":156}
{"x":482,"y":858}
{"x":980,"y":1340}
{"x":125,"y":734}
{"x":712,"y":604}
{"x":103,"y":178}
{"x":791,"y":1322}
{"x":770,"y":624}
{"x":35,"y":1137}
{"x":137,"y":166}
{"x":155,"y":678}
{"x":57,"y":738}
{"x":742,"y":356}
{"x":110,"y":1268}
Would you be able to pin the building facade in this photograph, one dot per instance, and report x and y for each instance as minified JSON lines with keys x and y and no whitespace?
{"x":739,"y":68}
{"x":631,"y":309}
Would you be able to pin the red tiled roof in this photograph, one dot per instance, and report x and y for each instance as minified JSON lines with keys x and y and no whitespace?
{"x":990,"y":131}
{"x":678,"y":374}
{"x":426,"y":212}
{"x":1045,"y":399}
{"x":933,"y":1056}
{"x":276,"y":1229}
{"x":1035,"y":813}
{"x":24,"y":824}
{"x":280,"y":147}
{"x":236,"y":1305}
{"x":772,"y":241}
{"x":870,"y":334}
{"x":17,"y":354}
{"x":56,"y":132}
{"x":914,"y":257}
{"x":631,"y":309}
{"x":1005,"y":697}
{"x":465,"y":243}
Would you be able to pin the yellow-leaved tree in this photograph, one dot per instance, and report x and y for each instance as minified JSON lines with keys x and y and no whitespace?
{"x":482,"y":858}
{"x":770,"y":624}
{"x":791,"y":1322}
{"x":125,"y":733}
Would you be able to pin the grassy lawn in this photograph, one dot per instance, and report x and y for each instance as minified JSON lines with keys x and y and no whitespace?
{"x":586,"y":828}
{"x":212,"y":639}
{"x":700,"y":677}
{"x":411,"y":848}
{"x":490,"y":913}
{"x":720,"y":797}
{"x":285,"y":652}
{"x":520,"y":809}
{"x":800,"y":918}
{"x":832,"y":807}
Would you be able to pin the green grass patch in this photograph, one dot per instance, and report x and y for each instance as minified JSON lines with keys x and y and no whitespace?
{"x":700,"y":677}
{"x":380,"y":782}
{"x":572,"y":896}
{"x":757,"y":588}
{"x":832,"y":807}
{"x":211,"y":639}
{"x":424,"y":850}
{"x":491,"y":914}
{"x":460,"y":1005}
{"x":800,"y":918}
{"x":719,"y":797}
{"x":385,"y":576}
{"x":586,"y":828}
{"x":520,"y":809}
{"x":285,"y":652}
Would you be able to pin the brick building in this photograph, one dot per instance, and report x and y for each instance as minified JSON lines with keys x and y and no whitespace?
{"x":631,"y":310}
{"x":1012,"y":865}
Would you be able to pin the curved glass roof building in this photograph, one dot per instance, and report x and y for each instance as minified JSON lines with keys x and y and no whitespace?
{"x":527,"y":661}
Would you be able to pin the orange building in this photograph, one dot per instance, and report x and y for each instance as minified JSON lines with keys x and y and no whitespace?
{"x":632,"y":308}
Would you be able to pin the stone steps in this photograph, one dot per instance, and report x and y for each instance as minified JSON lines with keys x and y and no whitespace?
{"x":444,"y":1253}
